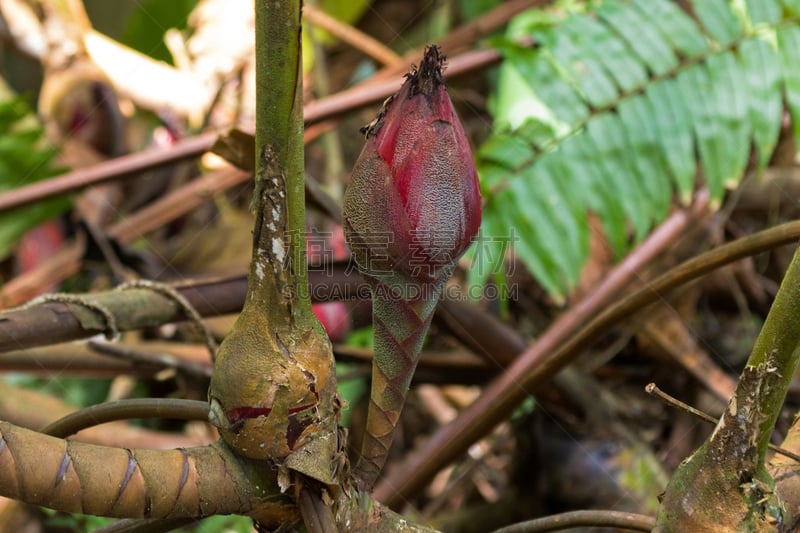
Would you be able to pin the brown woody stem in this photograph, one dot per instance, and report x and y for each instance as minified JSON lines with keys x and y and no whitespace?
{"x":84,"y":478}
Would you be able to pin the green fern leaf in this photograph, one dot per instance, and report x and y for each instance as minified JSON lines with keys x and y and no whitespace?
{"x":763,"y":81}
{"x":764,"y":11}
{"x":673,"y":124}
{"x":650,"y":165}
{"x":674,"y":25}
{"x":642,"y":37}
{"x":718,"y":21}
{"x":616,"y":110}
{"x":789,"y":43}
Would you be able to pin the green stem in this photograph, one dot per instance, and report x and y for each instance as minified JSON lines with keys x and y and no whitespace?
{"x":273,"y":390}
{"x":777,"y":350}
{"x":724,"y":485}
{"x":277,"y":272}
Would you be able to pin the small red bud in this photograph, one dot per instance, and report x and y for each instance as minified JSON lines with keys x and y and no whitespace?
{"x":413,"y":204}
{"x":321,"y":247}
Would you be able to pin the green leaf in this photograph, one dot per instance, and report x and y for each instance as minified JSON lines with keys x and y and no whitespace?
{"x":532,"y":247}
{"x":14,"y":224}
{"x":789,"y":43}
{"x":550,"y":220}
{"x":586,"y":72}
{"x":490,"y":246}
{"x":351,"y":390}
{"x":502,"y":149}
{"x":579,"y":158}
{"x":764,"y":11}
{"x":225,"y":524}
{"x":792,"y":6}
{"x":75,"y":522}
{"x":606,"y":47}
{"x":616,"y":109}
{"x":566,"y":106}
{"x":718,"y":20}
{"x":762,"y":75}
{"x":78,"y":392}
{"x":23,"y":160}
{"x":716,"y":101}
{"x":148,"y":23}
{"x":471,"y":9}
{"x":674,"y":124}
{"x":568,"y":218}
{"x":643,"y":38}
{"x":674,"y":25}
{"x":732,"y":110}
{"x":516,"y":101}
{"x":605,"y":133}
{"x":697,"y":89}
{"x":646,"y":156}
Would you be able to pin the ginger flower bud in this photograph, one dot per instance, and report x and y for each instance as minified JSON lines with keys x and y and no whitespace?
{"x":413,"y":204}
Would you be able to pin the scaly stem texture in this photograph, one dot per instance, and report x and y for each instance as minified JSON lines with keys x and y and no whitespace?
{"x":777,"y":350}
{"x":75,"y":477}
{"x":401,"y":322}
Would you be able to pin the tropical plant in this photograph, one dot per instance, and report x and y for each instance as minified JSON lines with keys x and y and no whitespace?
{"x":607,"y":110}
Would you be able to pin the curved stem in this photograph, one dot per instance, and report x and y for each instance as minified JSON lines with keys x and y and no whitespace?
{"x":76,"y":477}
{"x":162,"y":525}
{"x":589,"y":518}
{"x":126,"y":409}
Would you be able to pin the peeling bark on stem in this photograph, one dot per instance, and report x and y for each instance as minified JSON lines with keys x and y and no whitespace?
{"x":273,"y":390}
{"x":725,"y":484}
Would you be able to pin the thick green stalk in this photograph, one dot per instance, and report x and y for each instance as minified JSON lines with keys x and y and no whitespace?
{"x":280,"y":231}
{"x":777,"y":349}
{"x":273,"y":390}
{"x":775,"y":355}
{"x":724,"y":485}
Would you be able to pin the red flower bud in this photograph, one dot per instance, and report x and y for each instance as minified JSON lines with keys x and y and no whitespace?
{"x":413,"y":204}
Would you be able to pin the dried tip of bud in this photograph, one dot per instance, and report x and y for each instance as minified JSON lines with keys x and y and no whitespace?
{"x":428,"y":76}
